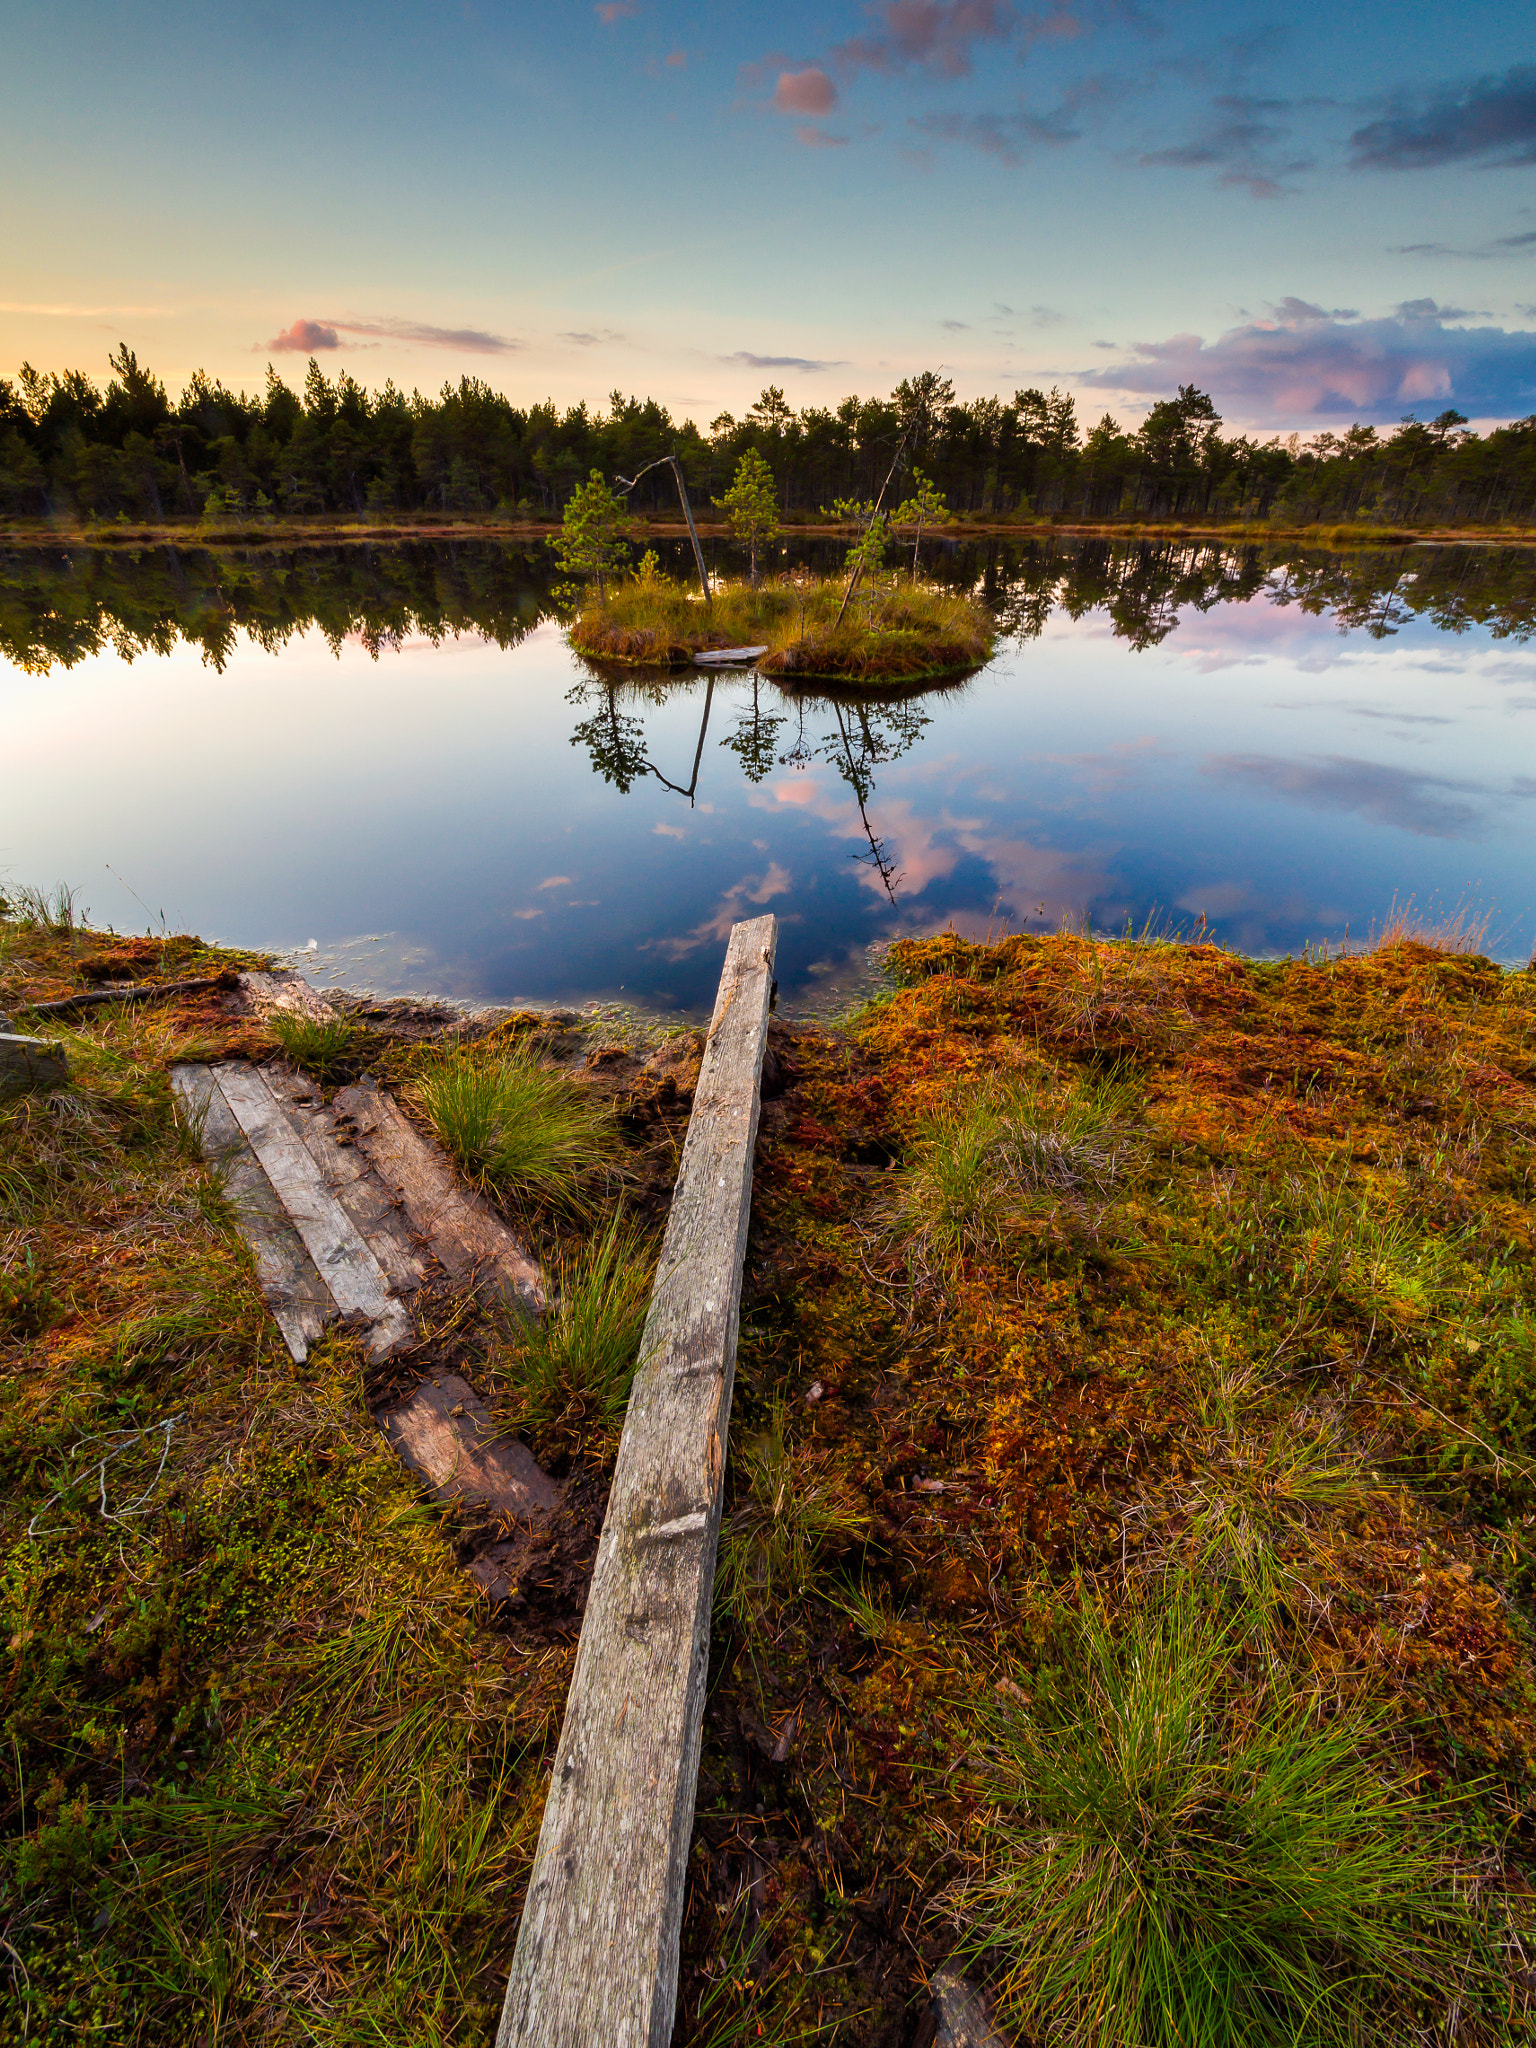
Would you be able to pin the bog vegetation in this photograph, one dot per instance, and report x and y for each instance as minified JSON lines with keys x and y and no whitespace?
{"x":1127,"y":1571}
{"x":70,"y":449}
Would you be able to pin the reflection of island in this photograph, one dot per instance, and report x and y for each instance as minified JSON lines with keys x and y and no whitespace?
{"x":868,"y":733}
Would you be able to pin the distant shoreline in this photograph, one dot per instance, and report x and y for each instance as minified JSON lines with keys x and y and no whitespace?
{"x":325,"y":531}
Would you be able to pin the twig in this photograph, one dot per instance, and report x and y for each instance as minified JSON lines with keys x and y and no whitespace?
{"x":129,"y":992}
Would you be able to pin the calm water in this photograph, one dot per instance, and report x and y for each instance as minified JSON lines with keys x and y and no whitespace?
{"x":338,"y":753}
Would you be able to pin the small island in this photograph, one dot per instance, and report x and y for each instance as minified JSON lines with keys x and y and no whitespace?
{"x":868,"y":626}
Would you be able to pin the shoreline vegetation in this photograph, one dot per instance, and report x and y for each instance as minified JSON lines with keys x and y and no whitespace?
{"x":895,"y":633}
{"x":1128,"y":1579}
{"x":332,"y":529}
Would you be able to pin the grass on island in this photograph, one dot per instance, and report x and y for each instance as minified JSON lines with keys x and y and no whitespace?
{"x":1130,"y":1548}
{"x":892,"y":632}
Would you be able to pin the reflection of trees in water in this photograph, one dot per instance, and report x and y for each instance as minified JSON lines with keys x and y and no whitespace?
{"x":866,"y":735}
{"x":58,"y":605}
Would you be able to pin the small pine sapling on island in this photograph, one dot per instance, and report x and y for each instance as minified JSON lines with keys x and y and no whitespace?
{"x":591,"y":541}
{"x":751,"y":506}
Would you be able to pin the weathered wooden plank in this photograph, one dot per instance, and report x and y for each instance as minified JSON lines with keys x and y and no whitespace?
{"x":27,"y":1063}
{"x":596,"y":1957}
{"x":347,"y":1173}
{"x":299,"y":1299}
{"x":463,"y":1234}
{"x":284,"y":989}
{"x":960,"y":2013}
{"x":443,"y":1431}
{"x":725,"y":657}
{"x":343,"y":1260}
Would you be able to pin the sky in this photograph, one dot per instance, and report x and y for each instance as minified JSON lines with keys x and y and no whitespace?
{"x":1316,"y":216}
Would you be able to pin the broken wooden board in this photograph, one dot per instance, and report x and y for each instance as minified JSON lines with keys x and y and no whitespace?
{"x":283,"y":989}
{"x":960,"y":2015}
{"x":722,"y":657}
{"x":462,"y":1233}
{"x":30,"y":1063}
{"x":299,"y":1299}
{"x":597,"y":1950}
{"x":341,"y":1255}
{"x":443,"y":1432}
{"x":372,"y":1207}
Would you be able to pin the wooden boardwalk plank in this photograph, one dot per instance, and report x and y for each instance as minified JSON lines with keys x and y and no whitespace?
{"x":596,"y":1957}
{"x":345,"y":1170}
{"x":461,"y":1231}
{"x":299,"y":1299}
{"x":342,"y":1258}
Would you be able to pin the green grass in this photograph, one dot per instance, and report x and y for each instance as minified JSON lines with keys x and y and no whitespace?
{"x":997,"y":1147}
{"x":320,"y":1045}
{"x":788,"y":1515}
{"x":1183,"y":1853}
{"x":572,"y":1370}
{"x":525,"y":1130}
{"x":893,"y":630}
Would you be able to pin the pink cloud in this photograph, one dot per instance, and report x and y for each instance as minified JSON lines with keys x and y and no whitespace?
{"x":805,"y":92}
{"x":677,"y":59}
{"x":818,"y":138}
{"x":936,"y":33}
{"x":303,"y":338}
{"x":610,"y":11}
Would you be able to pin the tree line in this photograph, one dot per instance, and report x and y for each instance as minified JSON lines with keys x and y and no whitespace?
{"x":72,"y":450}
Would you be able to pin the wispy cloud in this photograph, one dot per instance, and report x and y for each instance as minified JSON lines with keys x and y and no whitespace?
{"x":750,"y":889}
{"x":1502,"y":247}
{"x":937,"y":34}
{"x":1009,"y":137}
{"x":751,"y":362}
{"x":311,"y":337}
{"x":1309,"y":362}
{"x":1242,"y":143}
{"x":820,"y":138}
{"x":610,"y":11}
{"x":1492,"y":120}
{"x":604,"y":337}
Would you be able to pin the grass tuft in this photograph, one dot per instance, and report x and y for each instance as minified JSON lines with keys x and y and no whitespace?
{"x":789,"y":1514}
{"x":320,"y":1045}
{"x":1179,"y":1860}
{"x":574,"y":1369}
{"x":520,"y":1128}
{"x":981,"y":1162}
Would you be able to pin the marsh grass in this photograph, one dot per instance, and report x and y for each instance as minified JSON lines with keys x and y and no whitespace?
{"x":524,"y":1130}
{"x":789,"y":1514}
{"x":572,"y":1371}
{"x":53,"y":910}
{"x":983,"y":1160}
{"x":902,"y":629}
{"x":1184,"y":1854}
{"x":321,"y":1046}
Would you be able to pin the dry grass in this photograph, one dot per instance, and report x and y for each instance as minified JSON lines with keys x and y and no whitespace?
{"x":898,"y":631}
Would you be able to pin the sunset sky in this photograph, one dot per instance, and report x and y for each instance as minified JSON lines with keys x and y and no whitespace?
{"x":1315,"y":217}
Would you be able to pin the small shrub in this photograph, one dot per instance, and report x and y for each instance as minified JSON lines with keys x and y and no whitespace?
{"x":519,"y":1127}
{"x":320,"y":1045}
{"x":575,"y":1368}
{"x":1179,"y":1861}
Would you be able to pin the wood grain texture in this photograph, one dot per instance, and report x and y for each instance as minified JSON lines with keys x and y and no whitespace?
{"x":459,"y":1229}
{"x":345,"y":1169}
{"x":596,"y":1957}
{"x":299,"y":1299}
{"x":443,"y":1432}
{"x":342,"y":1258}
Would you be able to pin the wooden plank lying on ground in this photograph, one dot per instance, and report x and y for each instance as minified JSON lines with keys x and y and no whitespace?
{"x":343,"y":1260}
{"x":596,"y":1957}
{"x":443,"y":1431}
{"x":378,"y":1215}
{"x":463,"y":1235}
{"x":299,"y":1299}
{"x":27,"y":1063}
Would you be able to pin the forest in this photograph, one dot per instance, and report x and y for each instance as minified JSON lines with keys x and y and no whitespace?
{"x":71,"y":450}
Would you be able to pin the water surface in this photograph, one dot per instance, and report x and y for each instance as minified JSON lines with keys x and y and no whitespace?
{"x":394,"y":755}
